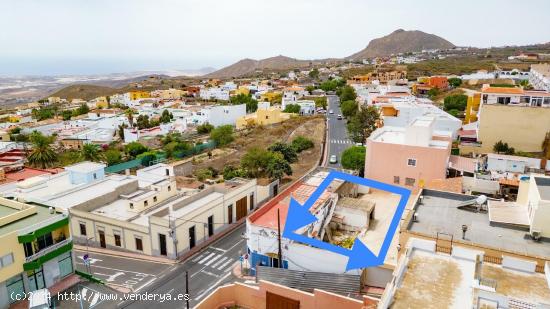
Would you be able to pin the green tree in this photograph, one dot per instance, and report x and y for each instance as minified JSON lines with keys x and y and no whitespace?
{"x":83,"y":109}
{"x":113,"y":156}
{"x":66,"y":114}
{"x":310,"y":88}
{"x":504,"y":148}
{"x":121,"y":130}
{"x":91,"y":152}
{"x":255,"y":161}
{"x":349,"y":108}
{"x":230,"y":172}
{"x":241,"y":98}
{"x":277,"y":167}
{"x":455,"y":82}
{"x":177,"y":149}
{"x":204,"y":128}
{"x":353,"y":158}
{"x":347,"y":93}
{"x":143,"y":122}
{"x":203,"y":174}
{"x":314,"y":73}
{"x":147,"y":157}
{"x":456,"y":101}
{"x":292,"y":108}
{"x":222,"y":135}
{"x":134,"y":149}
{"x":300,"y":143}
{"x":42,"y":154}
{"x":165,"y":117}
{"x":363,"y":123}
{"x":434,"y":92}
{"x":288,"y":152}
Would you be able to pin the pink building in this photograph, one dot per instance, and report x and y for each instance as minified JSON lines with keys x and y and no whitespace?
{"x":410,"y":156}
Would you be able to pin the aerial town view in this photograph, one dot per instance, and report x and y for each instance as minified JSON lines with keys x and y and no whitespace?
{"x":289,"y":154}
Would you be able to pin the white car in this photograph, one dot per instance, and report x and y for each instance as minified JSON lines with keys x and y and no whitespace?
{"x":331,"y":112}
{"x":333,"y":159}
{"x":339,"y":117}
{"x":40,"y":299}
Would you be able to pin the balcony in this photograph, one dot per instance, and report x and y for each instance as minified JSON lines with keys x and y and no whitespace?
{"x":36,"y":260}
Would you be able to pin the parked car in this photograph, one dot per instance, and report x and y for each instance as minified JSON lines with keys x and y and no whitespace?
{"x":40,"y":299}
{"x":339,"y":117}
{"x":333,"y":159}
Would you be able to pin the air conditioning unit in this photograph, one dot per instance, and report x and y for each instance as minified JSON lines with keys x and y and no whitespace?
{"x":536,"y":235}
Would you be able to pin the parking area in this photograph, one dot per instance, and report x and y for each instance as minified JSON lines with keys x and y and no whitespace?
{"x":128,"y":273}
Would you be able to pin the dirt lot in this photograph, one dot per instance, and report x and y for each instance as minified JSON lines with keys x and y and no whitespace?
{"x":310,"y":127}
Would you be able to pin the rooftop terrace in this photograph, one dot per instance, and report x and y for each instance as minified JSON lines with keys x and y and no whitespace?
{"x":438,"y":212}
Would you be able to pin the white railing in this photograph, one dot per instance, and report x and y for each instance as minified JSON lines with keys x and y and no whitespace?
{"x":48,"y":250}
{"x":34,"y":227}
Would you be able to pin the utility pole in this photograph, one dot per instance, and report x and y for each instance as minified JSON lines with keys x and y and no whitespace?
{"x":280,"y":255}
{"x":187,"y":289}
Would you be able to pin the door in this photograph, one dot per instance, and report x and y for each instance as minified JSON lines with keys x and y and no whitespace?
{"x":162,"y":244}
{"x":241,"y":208}
{"x":230,"y":214}
{"x":191,"y":237}
{"x":102,"y":239}
{"x":210,"y":226}
{"x":274,"y":301}
{"x":275,"y":190}
{"x":36,"y":279}
{"x":252,"y":201}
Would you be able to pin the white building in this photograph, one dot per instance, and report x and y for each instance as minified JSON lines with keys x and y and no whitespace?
{"x":218,"y":115}
{"x":539,"y":76}
{"x":214,"y":93}
{"x":307,"y":107}
{"x":505,"y":163}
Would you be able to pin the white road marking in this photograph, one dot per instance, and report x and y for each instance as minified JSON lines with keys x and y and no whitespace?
{"x":207,"y":258}
{"x":219,"y":249}
{"x":146,"y":284}
{"x":94,"y":300}
{"x":198,"y":257}
{"x":224,"y":264}
{"x":212,"y":260}
{"x":219,"y":262}
{"x":209,"y":273}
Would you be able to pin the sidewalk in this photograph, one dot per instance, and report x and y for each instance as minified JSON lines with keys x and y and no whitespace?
{"x":237,"y":273}
{"x":58,"y":287}
{"x":154,"y":259}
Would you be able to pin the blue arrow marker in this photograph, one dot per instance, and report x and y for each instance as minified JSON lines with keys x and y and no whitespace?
{"x":359,"y":256}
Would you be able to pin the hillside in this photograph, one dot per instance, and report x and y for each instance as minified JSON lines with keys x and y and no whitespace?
{"x":248,"y":66}
{"x":401,"y":41}
{"x":85,"y":92}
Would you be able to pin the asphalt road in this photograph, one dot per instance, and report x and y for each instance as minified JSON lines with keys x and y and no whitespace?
{"x":207,"y":269}
{"x":338,"y":139}
{"x":130,"y":273}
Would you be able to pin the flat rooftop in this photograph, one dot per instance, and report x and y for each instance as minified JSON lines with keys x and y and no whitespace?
{"x":435,"y":281}
{"x":543,"y":184}
{"x":41,"y":213}
{"x":438,"y":212}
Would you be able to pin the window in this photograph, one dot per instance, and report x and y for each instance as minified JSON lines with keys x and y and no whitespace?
{"x":485,"y":98}
{"x":44,"y":241}
{"x":95,"y":176}
{"x":411,"y":162}
{"x":82,"y":228}
{"x":154,"y":198}
{"x":169,"y":188}
{"x":146,"y":203}
{"x":28,"y":249}
{"x":167,"y":172}
{"x":396,"y":179}
{"x":409,"y":181}
{"x":118,"y":241}
{"x":131,"y":205}
{"x":6,"y":260}
{"x":251,"y":201}
{"x":139,"y":244}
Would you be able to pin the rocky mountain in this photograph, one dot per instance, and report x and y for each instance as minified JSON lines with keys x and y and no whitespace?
{"x":247,"y":66}
{"x":401,"y":41}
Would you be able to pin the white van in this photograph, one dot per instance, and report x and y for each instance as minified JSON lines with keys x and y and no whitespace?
{"x":40,"y":299}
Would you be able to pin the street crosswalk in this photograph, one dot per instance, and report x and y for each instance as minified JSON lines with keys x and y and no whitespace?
{"x":215,"y":260}
{"x":341,"y":141}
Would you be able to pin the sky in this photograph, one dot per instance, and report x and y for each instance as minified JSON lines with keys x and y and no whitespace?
{"x":56,"y":37}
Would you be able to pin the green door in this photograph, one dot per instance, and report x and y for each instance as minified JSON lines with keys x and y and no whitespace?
{"x":65,"y":264}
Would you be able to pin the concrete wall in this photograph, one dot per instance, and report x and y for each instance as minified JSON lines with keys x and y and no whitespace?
{"x":523,"y":128}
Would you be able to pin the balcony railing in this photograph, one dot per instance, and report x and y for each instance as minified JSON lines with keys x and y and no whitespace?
{"x":48,"y":250}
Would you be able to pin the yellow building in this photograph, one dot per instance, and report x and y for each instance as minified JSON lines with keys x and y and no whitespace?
{"x":472,"y":108}
{"x":262,"y":117}
{"x":271,"y":96}
{"x":515,"y":116}
{"x":101,"y":102}
{"x":242,"y":90}
{"x":35,"y":251}
{"x":53,"y":100}
{"x":136,"y":95}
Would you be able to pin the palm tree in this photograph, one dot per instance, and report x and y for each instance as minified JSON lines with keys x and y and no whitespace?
{"x":130,"y":114}
{"x":42,"y":154}
{"x":545,"y":151}
{"x":91,"y":152}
